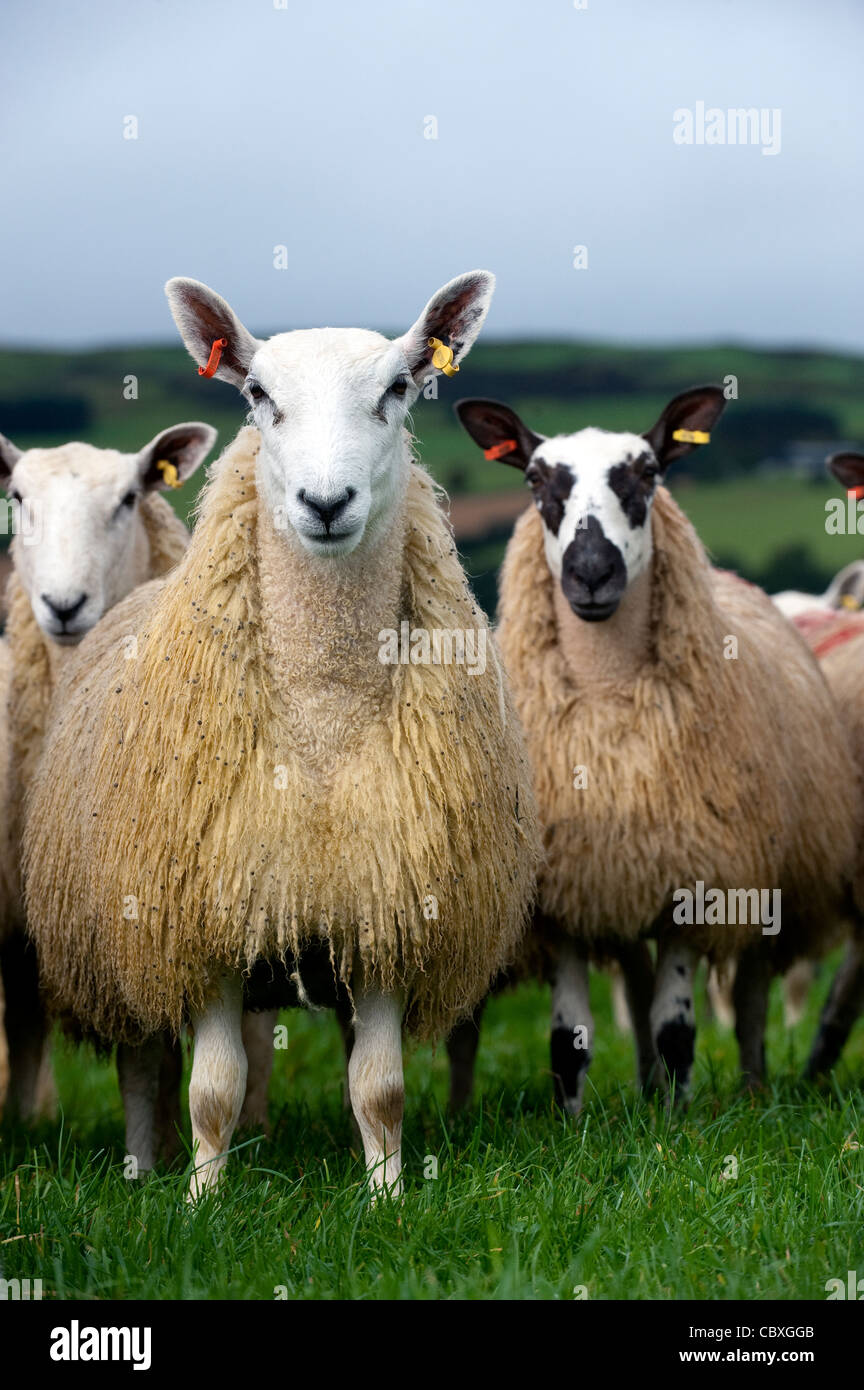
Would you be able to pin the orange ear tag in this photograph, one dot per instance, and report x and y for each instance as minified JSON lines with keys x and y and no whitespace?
{"x":499,"y":450}
{"x":442,"y":357}
{"x":214,"y":358}
{"x":169,"y":473}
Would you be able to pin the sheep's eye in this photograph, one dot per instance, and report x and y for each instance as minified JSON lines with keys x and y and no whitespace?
{"x":650,"y":472}
{"x":399,"y":387}
{"x":129,"y":500}
{"x":257,"y":392}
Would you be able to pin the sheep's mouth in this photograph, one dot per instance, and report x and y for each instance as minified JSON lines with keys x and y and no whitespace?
{"x":595,"y":612}
{"x":65,"y":638}
{"x":330,"y":540}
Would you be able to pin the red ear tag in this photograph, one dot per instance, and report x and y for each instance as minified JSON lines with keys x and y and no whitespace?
{"x":499,"y":450}
{"x":214,"y":358}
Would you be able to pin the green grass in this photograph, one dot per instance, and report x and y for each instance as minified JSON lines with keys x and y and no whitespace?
{"x":626,"y":1201}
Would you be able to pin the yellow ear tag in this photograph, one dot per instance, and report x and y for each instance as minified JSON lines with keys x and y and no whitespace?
{"x":169,"y":473}
{"x":442,"y":357}
{"x":691,"y":436}
{"x":849,"y":601}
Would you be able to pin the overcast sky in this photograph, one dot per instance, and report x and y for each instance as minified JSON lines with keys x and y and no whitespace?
{"x":305,"y":127}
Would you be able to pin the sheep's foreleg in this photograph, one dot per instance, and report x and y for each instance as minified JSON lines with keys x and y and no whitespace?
{"x":138,"y":1070}
{"x":750,"y":1002}
{"x":673,"y":1020}
{"x":572,"y":1038}
{"x":258,"y":1037}
{"x":376,"y":1086}
{"x":218,"y":1082}
{"x":462,"y":1046}
{"x":844,"y":1005}
{"x":637,"y":970}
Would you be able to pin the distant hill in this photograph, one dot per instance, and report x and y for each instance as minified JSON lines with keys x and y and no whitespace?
{"x":784,"y":398}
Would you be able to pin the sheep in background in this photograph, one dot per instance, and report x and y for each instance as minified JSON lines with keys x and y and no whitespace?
{"x":846,"y":591}
{"x":285,"y":802}
{"x":679,"y":733}
{"x":837,"y":640}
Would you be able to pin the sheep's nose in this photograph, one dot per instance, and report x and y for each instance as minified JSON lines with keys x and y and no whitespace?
{"x":64,"y":612}
{"x":327,"y":508}
{"x":593,"y":569}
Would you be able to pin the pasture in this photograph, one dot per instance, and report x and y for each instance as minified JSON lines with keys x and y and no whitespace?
{"x":623,"y":1203}
{"x":743,"y":1197}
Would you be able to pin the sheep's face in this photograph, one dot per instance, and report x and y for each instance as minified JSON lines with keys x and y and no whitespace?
{"x":331,"y":405}
{"x":80,"y":543}
{"x":594,"y":490}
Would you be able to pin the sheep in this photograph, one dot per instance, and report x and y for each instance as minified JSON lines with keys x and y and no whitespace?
{"x":679,"y":732}
{"x":838,"y":642}
{"x":302,"y":815}
{"x":812,"y":615}
{"x":845,"y":591}
{"x":90,"y":526}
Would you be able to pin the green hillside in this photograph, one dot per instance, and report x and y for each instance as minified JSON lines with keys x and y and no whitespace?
{"x":769,"y":525}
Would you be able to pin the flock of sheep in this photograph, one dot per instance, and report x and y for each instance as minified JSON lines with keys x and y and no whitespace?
{"x":222,"y":798}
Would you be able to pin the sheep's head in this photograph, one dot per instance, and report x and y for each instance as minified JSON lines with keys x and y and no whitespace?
{"x":594,"y":489}
{"x":80,"y":542}
{"x":331,"y":405}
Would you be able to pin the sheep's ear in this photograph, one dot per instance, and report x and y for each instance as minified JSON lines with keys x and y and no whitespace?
{"x":848,"y":469}
{"x":455,"y":316}
{"x":9,"y":456}
{"x":202,"y":316}
{"x":172,"y":456}
{"x":694,"y":412}
{"x":499,"y":431}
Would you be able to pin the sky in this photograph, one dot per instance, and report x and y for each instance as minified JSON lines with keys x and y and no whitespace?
{"x":296,"y":124}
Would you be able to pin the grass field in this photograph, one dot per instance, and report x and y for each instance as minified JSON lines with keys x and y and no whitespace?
{"x":625,"y":1203}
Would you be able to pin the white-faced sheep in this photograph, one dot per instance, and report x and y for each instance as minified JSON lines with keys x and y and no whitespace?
{"x":285,"y":803}
{"x":90,"y":526}
{"x":681,"y":738}
{"x":846,"y":591}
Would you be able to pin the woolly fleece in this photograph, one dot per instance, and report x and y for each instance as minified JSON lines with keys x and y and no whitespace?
{"x":28,"y":661}
{"x":181,"y":792}
{"x":732,"y":771}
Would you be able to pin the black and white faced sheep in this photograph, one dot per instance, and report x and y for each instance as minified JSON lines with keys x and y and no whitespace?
{"x":691,"y":779}
{"x":307,"y":798}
